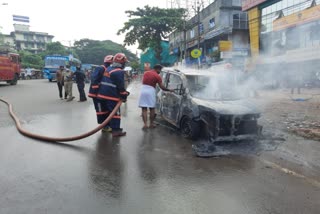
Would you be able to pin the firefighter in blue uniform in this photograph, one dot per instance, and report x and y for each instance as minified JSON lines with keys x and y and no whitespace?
{"x":100,"y":105}
{"x":112,"y":90}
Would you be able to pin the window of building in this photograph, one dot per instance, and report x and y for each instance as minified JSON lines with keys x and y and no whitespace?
{"x":192,"y":33}
{"x":286,"y":7}
{"x":302,"y":36}
{"x":212,"y":23}
{"x":240,"y":20}
{"x":28,"y":37}
{"x":236,"y":3}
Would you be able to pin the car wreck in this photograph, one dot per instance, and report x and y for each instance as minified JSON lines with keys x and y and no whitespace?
{"x":207,"y":104}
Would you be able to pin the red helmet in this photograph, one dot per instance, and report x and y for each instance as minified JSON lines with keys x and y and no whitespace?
{"x":120,"y":58}
{"x":108,"y":59}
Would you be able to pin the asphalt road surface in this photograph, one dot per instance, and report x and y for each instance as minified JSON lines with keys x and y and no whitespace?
{"x":153,"y":171}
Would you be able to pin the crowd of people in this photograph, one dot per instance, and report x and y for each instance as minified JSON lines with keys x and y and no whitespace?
{"x":65,"y":79}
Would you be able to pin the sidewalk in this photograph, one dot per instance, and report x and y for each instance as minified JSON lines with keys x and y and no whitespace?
{"x":297,"y":113}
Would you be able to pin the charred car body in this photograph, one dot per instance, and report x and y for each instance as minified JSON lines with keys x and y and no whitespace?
{"x":207,"y":104}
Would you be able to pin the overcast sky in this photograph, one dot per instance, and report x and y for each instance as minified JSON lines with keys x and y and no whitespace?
{"x":73,"y":20}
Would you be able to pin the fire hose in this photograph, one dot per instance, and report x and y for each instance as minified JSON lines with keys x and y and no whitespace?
{"x":58,"y":139}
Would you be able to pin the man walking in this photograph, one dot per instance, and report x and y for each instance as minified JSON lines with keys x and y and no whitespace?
{"x":148,"y":94}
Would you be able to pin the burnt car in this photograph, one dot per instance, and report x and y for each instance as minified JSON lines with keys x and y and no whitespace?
{"x":208,"y":104}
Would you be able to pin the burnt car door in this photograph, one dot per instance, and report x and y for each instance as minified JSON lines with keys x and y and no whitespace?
{"x":171,"y":101}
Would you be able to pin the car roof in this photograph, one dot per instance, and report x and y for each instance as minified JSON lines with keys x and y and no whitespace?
{"x":191,"y":72}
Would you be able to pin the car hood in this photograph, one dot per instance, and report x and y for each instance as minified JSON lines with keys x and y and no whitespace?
{"x":233,"y":107}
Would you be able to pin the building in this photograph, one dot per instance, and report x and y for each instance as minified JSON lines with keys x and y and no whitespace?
{"x":282,"y":25}
{"x":8,"y":41}
{"x":285,"y":36}
{"x":24,"y":39}
{"x":219,"y":30}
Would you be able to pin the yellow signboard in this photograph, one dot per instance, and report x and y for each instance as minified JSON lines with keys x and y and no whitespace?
{"x":299,"y":18}
{"x":196,"y":53}
{"x":254,"y":29}
{"x":225,"y":45}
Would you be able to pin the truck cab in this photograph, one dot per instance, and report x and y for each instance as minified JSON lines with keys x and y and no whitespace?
{"x":10,"y":65}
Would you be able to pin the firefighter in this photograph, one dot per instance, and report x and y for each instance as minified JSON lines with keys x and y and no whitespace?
{"x":100,"y":105}
{"x":112,"y":90}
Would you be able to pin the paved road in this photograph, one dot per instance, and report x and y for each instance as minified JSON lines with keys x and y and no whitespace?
{"x":151,"y":171}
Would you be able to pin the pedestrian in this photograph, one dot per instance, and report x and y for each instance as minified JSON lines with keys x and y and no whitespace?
{"x":100,"y":105}
{"x":147,"y":98}
{"x":80,"y":78}
{"x":112,"y":90}
{"x":126,"y":79}
{"x":60,"y":82}
{"x":68,"y":80}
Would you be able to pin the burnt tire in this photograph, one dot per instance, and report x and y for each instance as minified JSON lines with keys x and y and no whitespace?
{"x":189,"y":129}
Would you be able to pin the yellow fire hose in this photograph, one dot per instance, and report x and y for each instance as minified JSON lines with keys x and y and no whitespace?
{"x":58,"y":139}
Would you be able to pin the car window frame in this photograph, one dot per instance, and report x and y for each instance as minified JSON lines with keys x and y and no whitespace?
{"x":181,"y":83}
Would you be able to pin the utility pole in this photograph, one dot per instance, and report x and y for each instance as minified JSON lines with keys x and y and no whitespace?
{"x":198,"y":21}
{"x":197,"y":9}
{"x":185,"y":39}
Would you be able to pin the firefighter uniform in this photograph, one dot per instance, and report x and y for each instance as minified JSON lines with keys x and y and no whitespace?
{"x":99,"y":104}
{"x":112,"y":90}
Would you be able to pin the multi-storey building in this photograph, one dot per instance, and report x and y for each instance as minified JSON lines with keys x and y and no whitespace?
{"x":24,"y":39}
{"x":222,"y":20}
{"x":285,"y":36}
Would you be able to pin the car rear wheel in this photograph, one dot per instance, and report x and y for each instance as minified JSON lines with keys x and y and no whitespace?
{"x":189,"y":128}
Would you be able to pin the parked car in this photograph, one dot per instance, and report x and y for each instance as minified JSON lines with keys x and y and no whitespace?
{"x":207,"y":104}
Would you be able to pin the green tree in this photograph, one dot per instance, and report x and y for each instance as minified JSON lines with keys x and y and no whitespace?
{"x":31,"y":60}
{"x":93,"y":51}
{"x":56,"y":48}
{"x":150,"y":25}
{"x":135,"y":65}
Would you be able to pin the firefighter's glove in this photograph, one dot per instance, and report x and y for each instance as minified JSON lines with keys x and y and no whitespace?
{"x":124,"y":95}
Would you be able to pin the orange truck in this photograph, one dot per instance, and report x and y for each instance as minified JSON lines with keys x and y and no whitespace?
{"x":10,"y":65}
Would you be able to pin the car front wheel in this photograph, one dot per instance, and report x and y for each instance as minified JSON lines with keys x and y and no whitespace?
{"x":189,"y":128}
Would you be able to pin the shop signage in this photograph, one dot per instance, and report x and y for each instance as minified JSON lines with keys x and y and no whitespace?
{"x":225,"y":45}
{"x":192,"y":43}
{"x":196,"y":53}
{"x":299,"y":18}
{"x":225,"y":54}
{"x":247,"y":4}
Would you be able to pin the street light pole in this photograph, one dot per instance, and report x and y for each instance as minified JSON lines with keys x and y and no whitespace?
{"x":198,"y":21}
{"x":197,"y":11}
